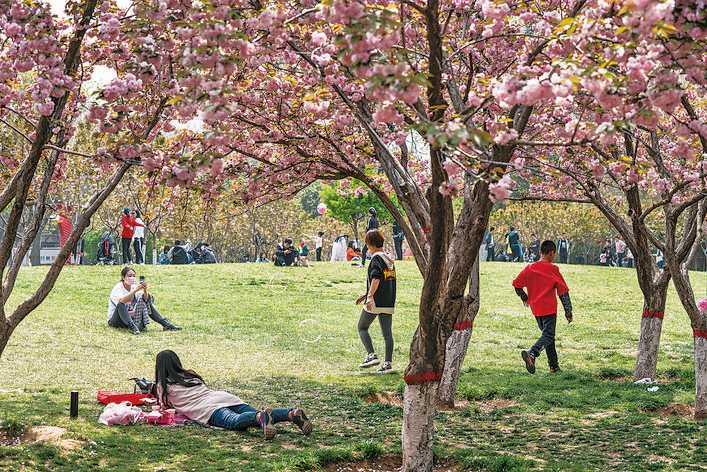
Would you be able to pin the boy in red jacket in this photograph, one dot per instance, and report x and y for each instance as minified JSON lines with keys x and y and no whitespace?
{"x":544,"y":283}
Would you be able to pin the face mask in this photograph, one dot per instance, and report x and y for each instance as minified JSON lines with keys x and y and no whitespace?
{"x":131,"y":280}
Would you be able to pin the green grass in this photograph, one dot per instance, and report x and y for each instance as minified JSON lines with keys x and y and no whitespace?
{"x":287,"y":336}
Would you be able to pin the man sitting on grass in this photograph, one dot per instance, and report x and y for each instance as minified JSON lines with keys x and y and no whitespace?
{"x":131,"y":306}
{"x":544,"y":283}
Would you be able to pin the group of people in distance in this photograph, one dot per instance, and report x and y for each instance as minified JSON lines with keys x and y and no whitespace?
{"x":182,"y":253}
{"x":513,"y":250}
{"x":286,"y":254}
{"x":131,"y":305}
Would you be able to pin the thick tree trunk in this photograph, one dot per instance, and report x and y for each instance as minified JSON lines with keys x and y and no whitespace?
{"x":458,"y":343}
{"x":418,"y":426}
{"x":647,"y":361}
{"x":700,"y":375}
{"x":651,"y":327}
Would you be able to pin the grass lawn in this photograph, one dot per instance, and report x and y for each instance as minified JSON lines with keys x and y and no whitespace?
{"x":287,"y":336}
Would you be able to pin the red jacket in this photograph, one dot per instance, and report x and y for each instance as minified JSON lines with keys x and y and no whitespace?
{"x":544,"y":283}
{"x":128,"y":223}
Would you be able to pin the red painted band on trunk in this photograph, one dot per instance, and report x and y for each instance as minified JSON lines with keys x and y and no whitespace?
{"x":700,"y":333}
{"x":422,"y":377}
{"x":466,"y":324}
{"x":653,"y":314}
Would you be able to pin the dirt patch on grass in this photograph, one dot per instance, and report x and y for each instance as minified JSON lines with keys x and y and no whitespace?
{"x":386,"y":398}
{"x":488,"y":406}
{"x":382,"y":464}
{"x":677,"y":409}
{"x":41,"y":434}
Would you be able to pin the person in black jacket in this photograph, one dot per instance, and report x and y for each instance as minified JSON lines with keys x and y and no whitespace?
{"x":379,"y":302}
{"x":372,"y":224}
{"x":398,"y":237}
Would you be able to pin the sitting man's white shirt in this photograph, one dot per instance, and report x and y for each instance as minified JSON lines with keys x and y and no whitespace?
{"x":118,"y":292}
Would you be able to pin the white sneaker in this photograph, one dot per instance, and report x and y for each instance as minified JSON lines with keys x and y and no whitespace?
{"x":386,"y":368}
{"x":370,"y":361}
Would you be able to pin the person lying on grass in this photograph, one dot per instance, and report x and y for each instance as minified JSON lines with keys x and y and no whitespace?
{"x":131,"y":306}
{"x":186,"y":392}
{"x":543,"y":281}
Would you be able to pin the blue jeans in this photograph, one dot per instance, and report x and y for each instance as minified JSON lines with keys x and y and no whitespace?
{"x":242,"y":417}
{"x":517,"y":255}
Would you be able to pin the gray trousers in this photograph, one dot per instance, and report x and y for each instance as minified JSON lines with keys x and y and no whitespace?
{"x":386,"y":323}
{"x":121,"y":318}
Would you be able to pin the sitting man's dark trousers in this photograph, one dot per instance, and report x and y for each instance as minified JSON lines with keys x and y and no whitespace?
{"x":121,"y":317}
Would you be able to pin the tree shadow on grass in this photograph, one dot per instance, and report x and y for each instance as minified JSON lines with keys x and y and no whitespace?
{"x":346,"y":429}
{"x":572,"y":421}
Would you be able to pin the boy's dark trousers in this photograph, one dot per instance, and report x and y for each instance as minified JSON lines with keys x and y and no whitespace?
{"x":319,"y":254}
{"x":546,"y":340}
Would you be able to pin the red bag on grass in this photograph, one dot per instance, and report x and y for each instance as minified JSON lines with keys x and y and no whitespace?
{"x":105,"y":397}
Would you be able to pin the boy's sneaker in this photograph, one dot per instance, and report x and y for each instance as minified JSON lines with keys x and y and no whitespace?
{"x":386,"y":368}
{"x":555,"y":370}
{"x":301,"y":421}
{"x":370,"y":361}
{"x":529,"y":360}
{"x":266,"y":423}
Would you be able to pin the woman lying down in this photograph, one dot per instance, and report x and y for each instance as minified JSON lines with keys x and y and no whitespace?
{"x":185,"y":391}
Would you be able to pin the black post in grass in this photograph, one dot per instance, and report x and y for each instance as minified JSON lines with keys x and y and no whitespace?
{"x":74,"y":410}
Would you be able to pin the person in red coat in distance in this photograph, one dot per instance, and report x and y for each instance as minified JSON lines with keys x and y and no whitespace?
{"x":126,"y":235}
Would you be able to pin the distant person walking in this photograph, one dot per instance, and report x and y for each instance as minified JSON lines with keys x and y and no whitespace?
{"x":544,"y":283}
{"x":490,"y":245}
{"x":318,"y":245}
{"x":126,"y":234}
{"x":534,"y":249}
{"x":372,"y":224}
{"x":629,"y":259}
{"x":513,"y":238}
{"x":608,"y":246}
{"x":563,"y":247}
{"x":620,"y":247}
{"x":398,"y":237}
{"x":138,"y":237}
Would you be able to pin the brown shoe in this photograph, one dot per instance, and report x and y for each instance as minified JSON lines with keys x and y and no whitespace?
{"x":555,"y":370}
{"x":301,"y":421}
{"x":266,"y":423}
{"x":529,"y":360}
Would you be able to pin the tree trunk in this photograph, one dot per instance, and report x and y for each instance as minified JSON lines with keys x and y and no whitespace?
{"x":5,"y":333}
{"x":651,"y":327}
{"x":458,"y":343}
{"x":418,"y":426}
{"x":700,"y":375}
{"x":647,"y":361}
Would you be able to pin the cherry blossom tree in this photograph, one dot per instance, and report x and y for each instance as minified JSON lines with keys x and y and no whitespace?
{"x":478,"y":81}
{"x":160,"y":78}
{"x":338,"y":83}
{"x":631,"y":140}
